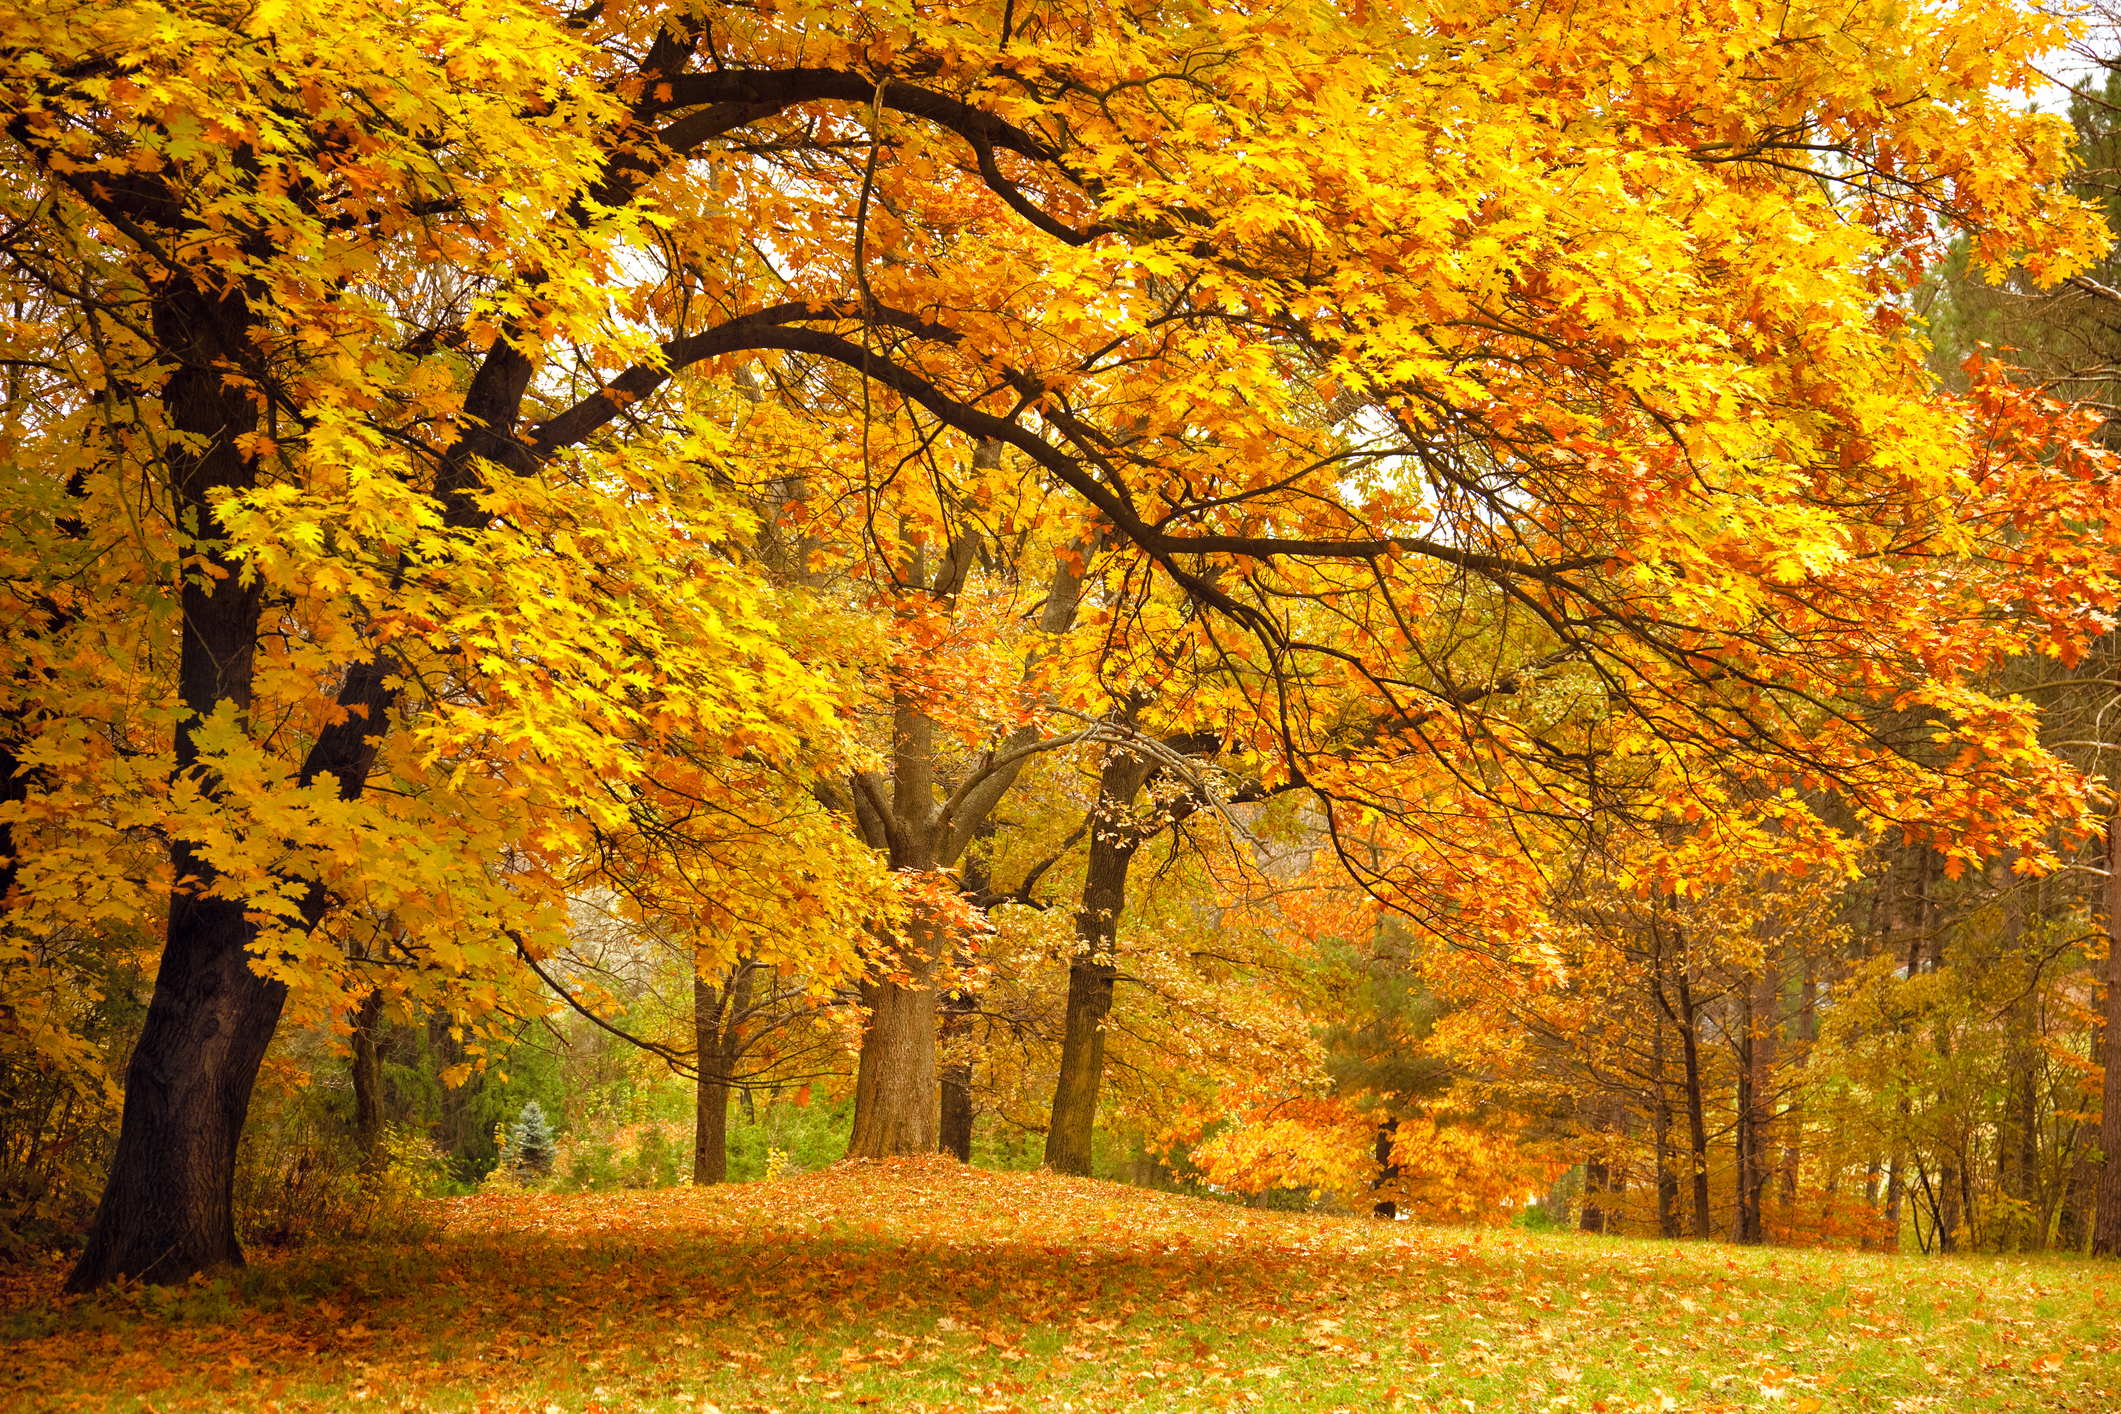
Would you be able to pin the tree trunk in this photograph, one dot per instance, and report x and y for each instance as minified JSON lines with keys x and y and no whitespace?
{"x":1791,"y":1120}
{"x":1596,"y":1174}
{"x":955,"y":1128}
{"x":167,"y":1210}
{"x":367,"y":1083}
{"x":959,"y":1007}
{"x":710,"y":1100}
{"x":954,"y":1135}
{"x":1696,"y":1117}
{"x":1387,"y":1171}
{"x":1661,"y":1133}
{"x":895,"y":1090}
{"x":1745,"y":1135}
{"x":2106,"y":1210}
{"x":1895,"y":1194}
{"x":1114,"y":838}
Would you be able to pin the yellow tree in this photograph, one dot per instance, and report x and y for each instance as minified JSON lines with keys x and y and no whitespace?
{"x":390,"y":446}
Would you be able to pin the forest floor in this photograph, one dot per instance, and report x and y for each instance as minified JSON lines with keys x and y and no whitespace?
{"x":923,"y":1286}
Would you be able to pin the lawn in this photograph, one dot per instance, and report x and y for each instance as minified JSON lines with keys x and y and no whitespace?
{"x":924,"y":1286}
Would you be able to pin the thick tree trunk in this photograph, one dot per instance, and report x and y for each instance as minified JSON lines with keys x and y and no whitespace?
{"x":167,"y":1210}
{"x":368,"y":1082}
{"x":2106,"y":1210}
{"x":895,"y":1091}
{"x":710,"y":1101}
{"x":1114,"y":838}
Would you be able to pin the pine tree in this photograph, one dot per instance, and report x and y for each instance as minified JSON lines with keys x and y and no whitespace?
{"x":530,"y":1141}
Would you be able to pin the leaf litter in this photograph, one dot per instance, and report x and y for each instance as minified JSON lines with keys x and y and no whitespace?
{"x":921,"y":1285}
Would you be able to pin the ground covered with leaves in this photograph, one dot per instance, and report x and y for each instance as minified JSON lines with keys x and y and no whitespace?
{"x":924,"y":1286}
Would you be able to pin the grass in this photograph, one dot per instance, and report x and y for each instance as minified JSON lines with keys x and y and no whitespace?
{"x":923,"y":1286}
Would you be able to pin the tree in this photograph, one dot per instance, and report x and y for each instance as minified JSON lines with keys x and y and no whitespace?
{"x":530,"y":1141}
{"x":409,"y":330}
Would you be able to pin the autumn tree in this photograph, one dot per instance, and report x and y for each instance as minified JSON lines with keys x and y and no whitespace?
{"x":412,"y":331}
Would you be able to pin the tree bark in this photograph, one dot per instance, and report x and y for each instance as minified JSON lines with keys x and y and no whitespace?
{"x":895,"y":1089}
{"x":1114,"y":838}
{"x":168,"y":1208}
{"x":710,"y":1099}
{"x":719,"y":1014}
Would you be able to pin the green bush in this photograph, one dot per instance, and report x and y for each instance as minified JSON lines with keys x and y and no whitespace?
{"x":655,"y":1160}
{"x":811,"y":1135}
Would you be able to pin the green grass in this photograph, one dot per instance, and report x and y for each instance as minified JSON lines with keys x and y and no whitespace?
{"x":923,"y":1286}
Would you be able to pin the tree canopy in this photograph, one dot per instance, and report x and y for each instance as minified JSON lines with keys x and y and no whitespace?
{"x":457,"y":457}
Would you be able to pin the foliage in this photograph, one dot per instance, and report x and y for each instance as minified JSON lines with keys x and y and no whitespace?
{"x":924,"y":1282}
{"x":463,"y":468}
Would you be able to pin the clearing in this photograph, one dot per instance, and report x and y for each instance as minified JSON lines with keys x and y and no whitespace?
{"x":924,"y":1286}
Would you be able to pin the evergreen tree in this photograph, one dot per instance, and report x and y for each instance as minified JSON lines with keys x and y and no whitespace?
{"x":530,"y":1141}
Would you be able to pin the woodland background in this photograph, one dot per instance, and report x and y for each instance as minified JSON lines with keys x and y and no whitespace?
{"x":807,"y":689}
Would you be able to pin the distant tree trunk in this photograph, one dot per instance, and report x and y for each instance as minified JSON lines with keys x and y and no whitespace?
{"x":1597,"y":1172}
{"x":2106,"y":1211}
{"x":954,"y":1133}
{"x":1387,"y":1171}
{"x":1895,"y":1192}
{"x":956,"y":1124}
{"x":1661,"y":1133}
{"x":718,"y":1015}
{"x":1792,"y":1117}
{"x":955,"y":1127}
{"x":1114,"y":838}
{"x":453,"y":1130}
{"x":1745,"y":1133}
{"x":2073,"y":1220}
{"x":1696,"y":1116}
{"x":367,"y":1082}
{"x":2028,"y":1232}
